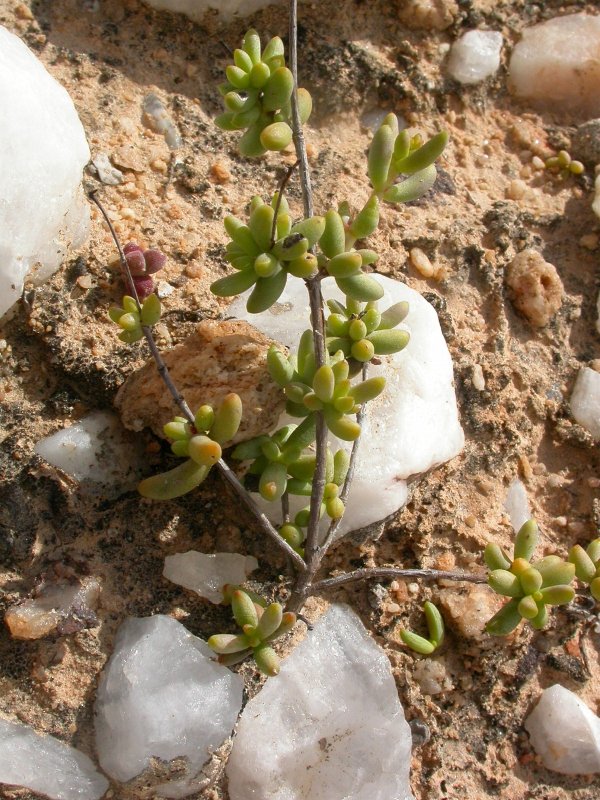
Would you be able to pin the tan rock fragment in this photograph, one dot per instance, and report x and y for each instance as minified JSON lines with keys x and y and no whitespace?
{"x":536,"y":288}
{"x":57,"y":608}
{"x":428,"y":14}
{"x":219,"y":358}
{"x":467,"y":611}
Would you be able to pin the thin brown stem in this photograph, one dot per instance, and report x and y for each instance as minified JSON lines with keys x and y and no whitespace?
{"x":280,"y":191}
{"x":262,"y":518}
{"x":390,"y":573}
{"x":316,"y":304}
{"x":163,"y":371}
{"x":296,"y":122}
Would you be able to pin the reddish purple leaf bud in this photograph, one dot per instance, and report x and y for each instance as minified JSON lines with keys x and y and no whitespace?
{"x":155,"y":261}
{"x":136,"y":262}
{"x":131,"y":247}
{"x":144,"y":286}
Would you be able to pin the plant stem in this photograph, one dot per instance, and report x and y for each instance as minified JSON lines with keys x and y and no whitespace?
{"x":316,"y":305}
{"x":281,"y":189}
{"x":373,"y":573}
{"x":296,"y":123}
{"x":163,"y":371}
{"x":262,"y":518}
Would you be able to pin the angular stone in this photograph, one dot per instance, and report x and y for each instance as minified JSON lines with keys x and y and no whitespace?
{"x":46,"y":765}
{"x":43,"y":151}
{"x":475,"y":56}
{"x":63,"y":608}
{"x":163,"y":696}
{"x":556,"y":65}
{"x":410,"y":428}
{"x":95,"y":450}
{"x":206,"y":573}
{"x":585,"y":400}
{"x":565,"y":733}
{"x":329,"y":727}
{"x":220,"y":357}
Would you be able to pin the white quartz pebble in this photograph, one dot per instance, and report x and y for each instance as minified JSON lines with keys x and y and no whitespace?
{"x":557,"y":64}
{"x":585,"y":400}
{"x":517,"y":505}
{"x":43,"y":151}
{"x":163,"y":695}
{"x":410,"y":428}
{"x":475,"y":56}
{"x":46,"y":765}
{"x":565,"y":733}
{"x":329,"y":727}
{"x":206,"y":573}
{"x":96,"y":449}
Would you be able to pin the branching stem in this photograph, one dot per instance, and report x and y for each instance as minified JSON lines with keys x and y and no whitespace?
{"x":391,"y":573}
{"x":163,"y":371}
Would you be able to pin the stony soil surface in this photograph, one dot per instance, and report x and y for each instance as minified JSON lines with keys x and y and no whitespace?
{"x":60,"y":358}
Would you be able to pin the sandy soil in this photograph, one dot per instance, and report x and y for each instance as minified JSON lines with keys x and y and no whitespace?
{"x":62,"y":359}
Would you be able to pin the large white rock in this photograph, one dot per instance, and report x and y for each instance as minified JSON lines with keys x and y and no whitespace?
{"x":329,"y":727}
{"x":97,"y":449}
{"x":207,"y":573}
{"x":557,"y":64}
{"x":475,"y":56}
{"x":585,"y":400}
{"x":43,"y":151}
{"x":410,"y":428}
{"x":196,"y":9}
{"x":163,"y":695}
{"x":565,"y":733}
{"x":46,"y":765}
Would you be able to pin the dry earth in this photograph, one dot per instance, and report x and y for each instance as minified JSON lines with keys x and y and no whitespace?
{"x":61,"y":359}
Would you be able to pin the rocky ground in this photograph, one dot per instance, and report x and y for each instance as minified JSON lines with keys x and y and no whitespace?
{"x":59,"y":358}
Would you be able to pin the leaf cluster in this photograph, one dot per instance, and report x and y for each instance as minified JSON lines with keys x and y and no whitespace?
{"x":201,"y":443}
{"x":435,"y":626}
{"x":257,"y":97}
{"x":132,"y":317}
{"x":260,"y":625}
{"x":532,"y":586}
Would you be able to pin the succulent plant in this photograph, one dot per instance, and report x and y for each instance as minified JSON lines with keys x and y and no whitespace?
{"x":532,"y":586}
{"x":260,"y":625}
{"x":132,"y":318}
{"x":435,"y":626}
{"x":143,"y":264}
{"x":257,"y":97}
{"x":201,"y":443}
{"x":587,"y":565}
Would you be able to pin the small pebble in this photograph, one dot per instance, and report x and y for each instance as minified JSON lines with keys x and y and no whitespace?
{"x":516,"y":190}
{"x":478,"y":378}
{"x":219,"y":173}
{"x":421,"y":262}
{"x":589,"y":241}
